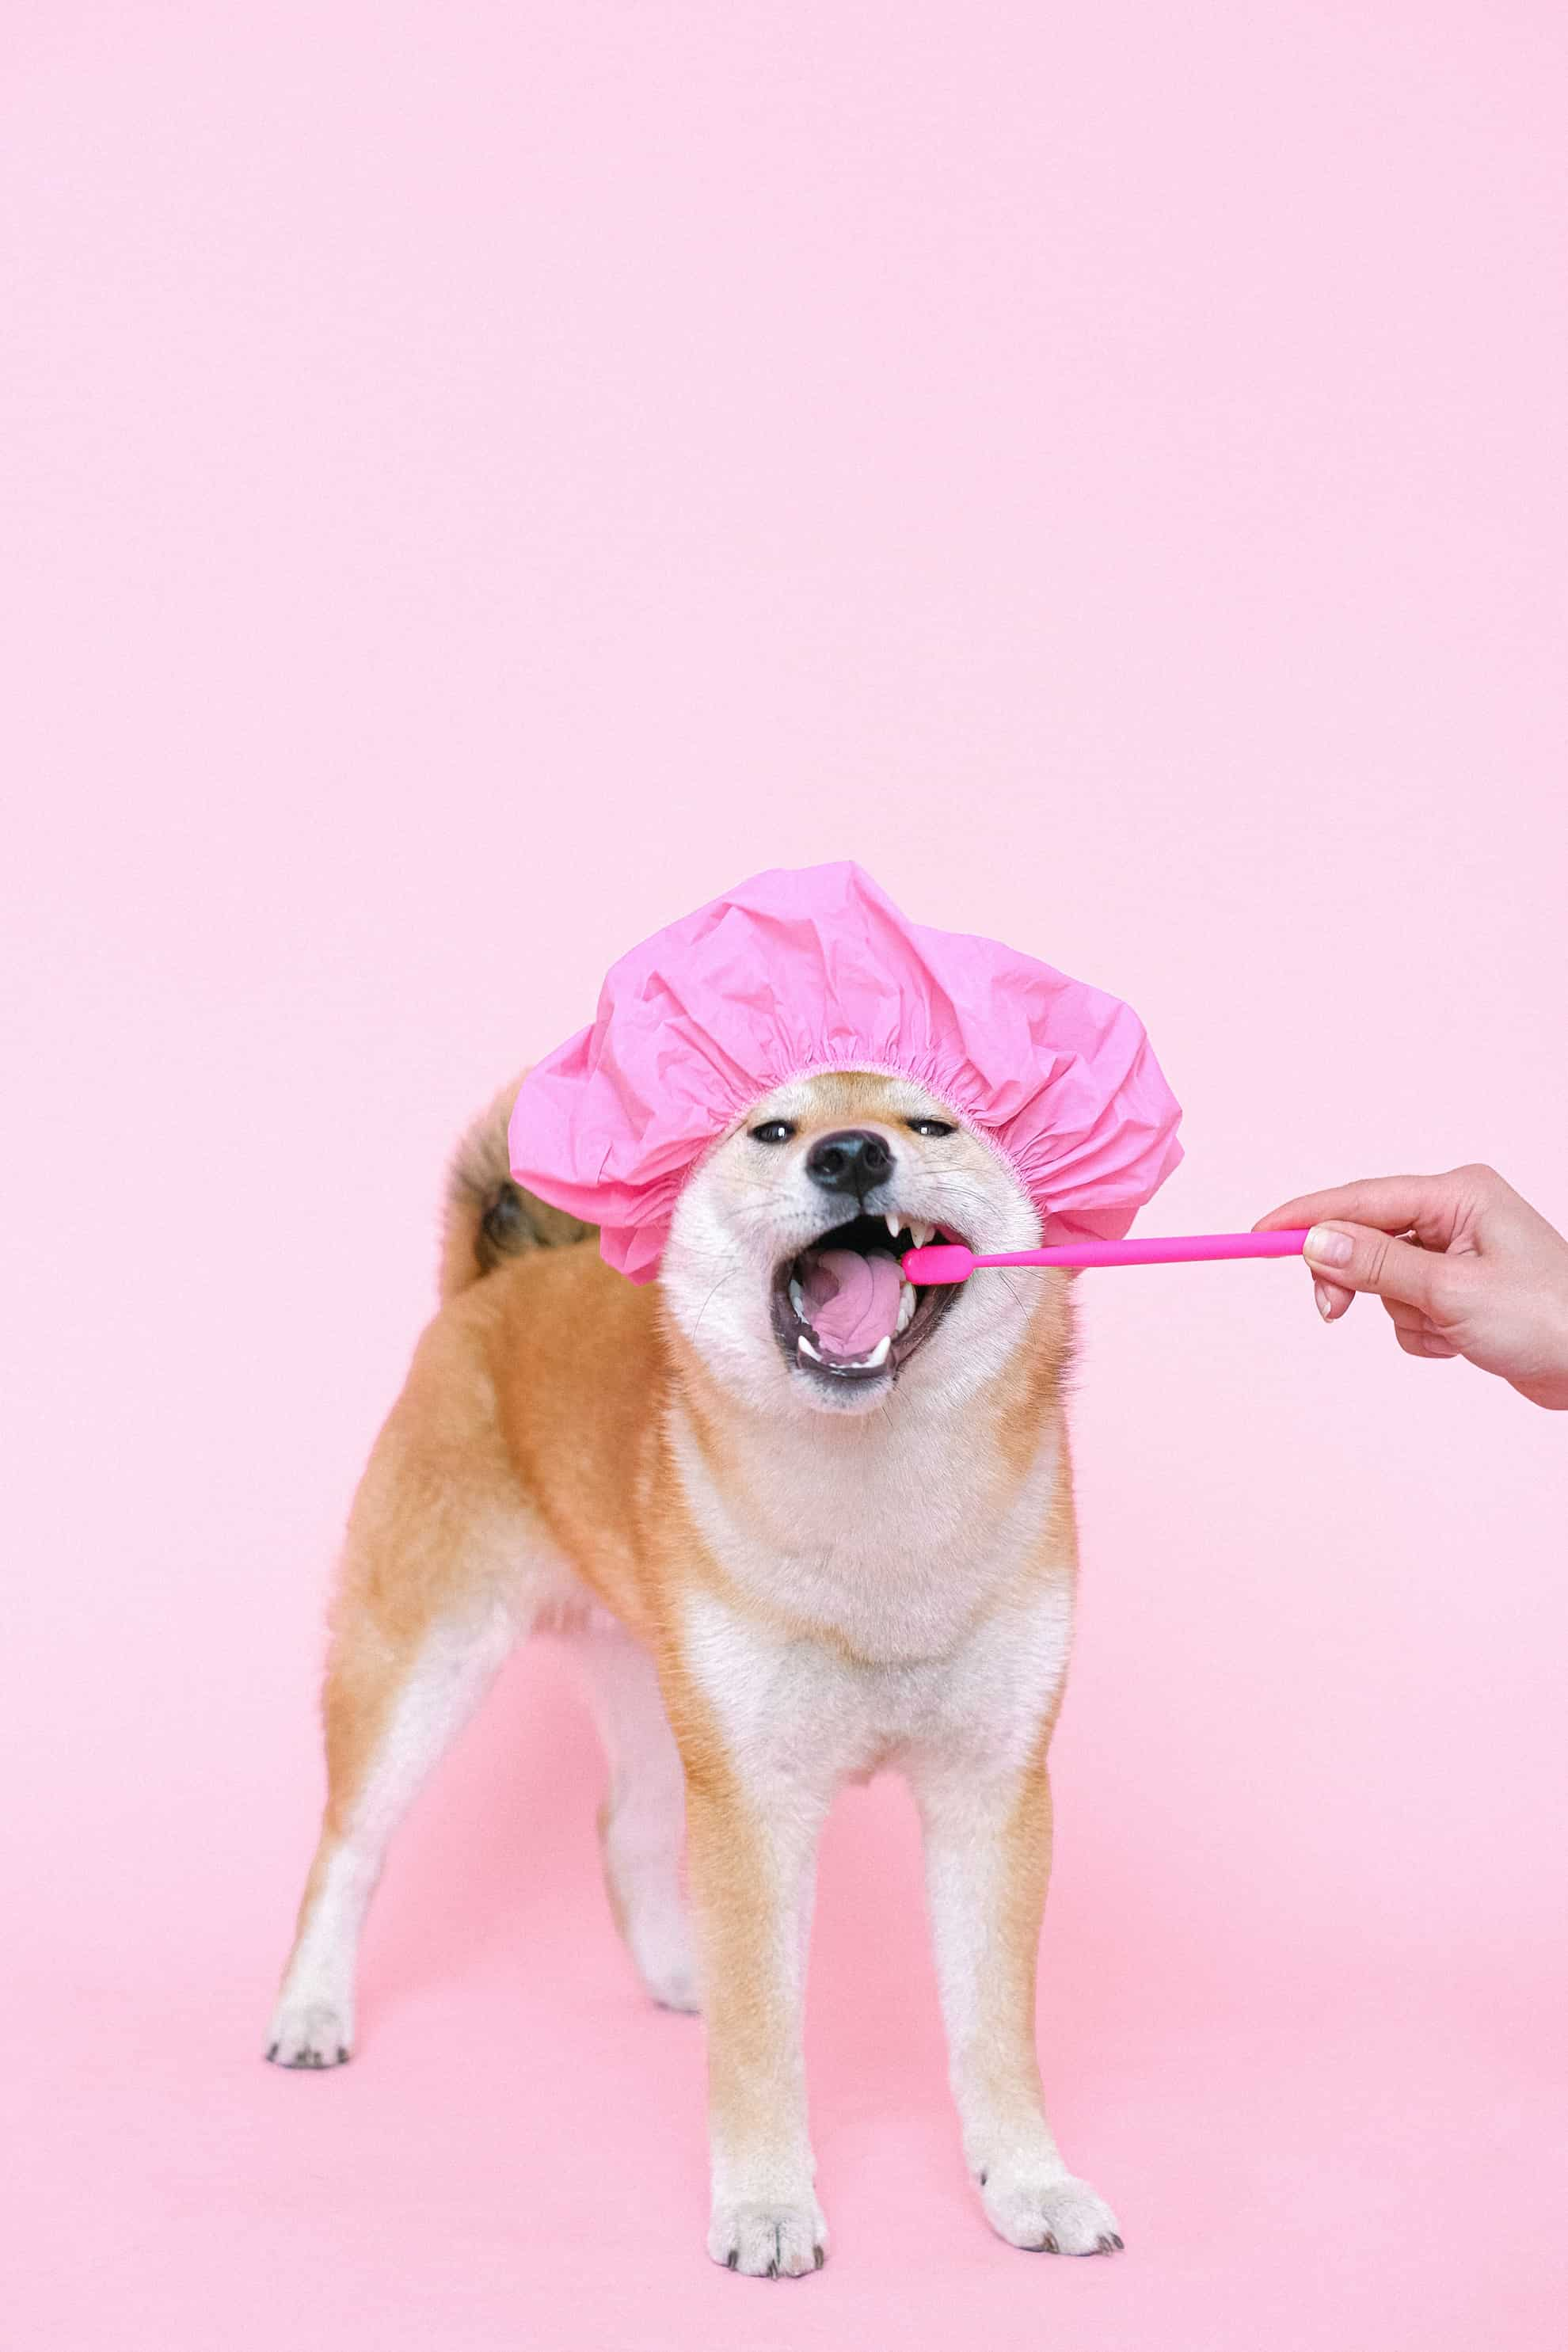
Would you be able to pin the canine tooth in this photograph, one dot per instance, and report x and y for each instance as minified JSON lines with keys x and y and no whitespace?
{"x":797,"y":1299}
{"x":907,"y":1297}
{"x":805,"y":1347}
{"x":895,"y":1222}
{"x":920,"y":1232}
{"x":879,"y":1354}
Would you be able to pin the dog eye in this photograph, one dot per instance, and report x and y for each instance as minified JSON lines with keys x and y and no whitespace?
{"x":929,"y":1127}
{"x":773,"y":1131}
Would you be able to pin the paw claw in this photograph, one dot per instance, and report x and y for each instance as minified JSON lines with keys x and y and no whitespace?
{"x":767,"y":2241}
{"x":309,"y":2036}
{"x":1049,"y":2215}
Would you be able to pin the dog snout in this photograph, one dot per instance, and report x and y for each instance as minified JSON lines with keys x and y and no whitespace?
{"x":854,"y":1161}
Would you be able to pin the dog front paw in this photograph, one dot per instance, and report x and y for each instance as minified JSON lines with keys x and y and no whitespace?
{"x":1049,"y":2215}
{"x":310,"y":2033}
{"x":767,"y":2241}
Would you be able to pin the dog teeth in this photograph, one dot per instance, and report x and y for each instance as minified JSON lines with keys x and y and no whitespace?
{"x":909,"y":1298}
{"x":895,"y":1222}
{"x":797,"y":1299}
{"x":871,"y":1363}
{"x":920,"y":1232}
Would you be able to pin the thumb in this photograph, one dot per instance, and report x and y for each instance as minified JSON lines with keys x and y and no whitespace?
{"x":1358,"y":1258}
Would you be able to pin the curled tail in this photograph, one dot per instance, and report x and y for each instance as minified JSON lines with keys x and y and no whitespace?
{"x":487,"y":1217}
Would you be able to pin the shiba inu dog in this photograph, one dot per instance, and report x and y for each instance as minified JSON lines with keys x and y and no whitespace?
{"x":801,"y":1523}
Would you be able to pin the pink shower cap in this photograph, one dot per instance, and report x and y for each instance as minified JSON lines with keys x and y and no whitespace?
{"x":817,"y":969}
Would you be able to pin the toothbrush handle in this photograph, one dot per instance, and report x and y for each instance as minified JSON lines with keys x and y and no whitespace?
{"x":943,"y":1261}
{"x":1165,"y":1249}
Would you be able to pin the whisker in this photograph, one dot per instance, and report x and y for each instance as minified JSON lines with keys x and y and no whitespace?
{"x":1012,"y":1294}
{"x":712,"y":1295}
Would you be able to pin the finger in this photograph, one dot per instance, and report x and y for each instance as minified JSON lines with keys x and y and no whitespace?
{"x":1417,"y":1342}
{"x":1359,"y":1258}
{"x":1334,"y":1300}
{"x":1428,"y":1205}
{"x":1428,"y":1337}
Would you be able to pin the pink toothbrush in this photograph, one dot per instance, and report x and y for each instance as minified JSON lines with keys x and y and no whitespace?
{"x":950,"y":1262}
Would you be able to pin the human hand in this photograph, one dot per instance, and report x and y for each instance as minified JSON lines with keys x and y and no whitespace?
{"x":1464,"y":1266}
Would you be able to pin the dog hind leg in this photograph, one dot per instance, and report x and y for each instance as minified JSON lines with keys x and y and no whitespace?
{"x":430,"y":1602}
{"x":312,"y":2024}
{"x":642,"y":1822}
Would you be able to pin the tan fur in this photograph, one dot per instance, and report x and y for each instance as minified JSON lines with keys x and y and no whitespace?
{"x":538,"y":1468}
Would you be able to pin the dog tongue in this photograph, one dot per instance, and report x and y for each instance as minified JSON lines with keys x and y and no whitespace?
{"x":851,"y":1301}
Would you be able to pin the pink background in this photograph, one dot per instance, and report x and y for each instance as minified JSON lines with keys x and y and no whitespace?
{"x":479,"y":479}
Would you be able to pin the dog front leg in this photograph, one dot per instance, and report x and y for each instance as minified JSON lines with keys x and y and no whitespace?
{"x":988,"y":1849}
{"x":749,"y":1865}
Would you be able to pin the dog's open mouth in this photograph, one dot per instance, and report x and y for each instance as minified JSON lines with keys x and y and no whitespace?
{"x":842,"y":1308}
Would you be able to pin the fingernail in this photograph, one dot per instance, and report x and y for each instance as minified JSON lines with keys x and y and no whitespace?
{"x":1325,"y":1304}
{"x":1328,"y":1247}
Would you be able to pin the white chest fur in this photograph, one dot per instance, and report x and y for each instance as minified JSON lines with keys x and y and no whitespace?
{"x":883,"y":1599}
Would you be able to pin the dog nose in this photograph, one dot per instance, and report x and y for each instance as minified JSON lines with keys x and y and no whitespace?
{"x":854,"y":1161}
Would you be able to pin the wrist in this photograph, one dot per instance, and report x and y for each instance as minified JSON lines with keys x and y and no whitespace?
{"x":1546,"y":1384}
